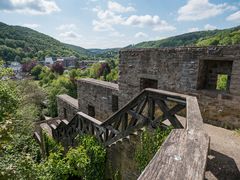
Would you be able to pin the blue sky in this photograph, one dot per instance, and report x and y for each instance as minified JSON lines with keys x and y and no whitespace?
{"x":118,"y":23}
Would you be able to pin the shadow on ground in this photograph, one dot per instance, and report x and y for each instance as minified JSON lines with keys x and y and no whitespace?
{"x":222,"y":167}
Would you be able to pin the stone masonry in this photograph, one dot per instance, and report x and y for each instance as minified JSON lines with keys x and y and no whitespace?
{"x":189,"y":70}
{"x":67,"y":107}
{"x":96,"y":98}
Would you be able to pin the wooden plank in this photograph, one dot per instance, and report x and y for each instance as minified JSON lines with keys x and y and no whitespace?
{"x":132,"y":103}
{"x":157,"y":121}
{"x":151,"y":108}
{"x":172,"y":118}
{"x":124,"y":121}
{"x":126,"y":132}
{"x":138,"y":110}
{"x":136,"y":116}
{"x":166,"y":93}
{"x":194,"y":117}
{"x":182,"y":156}
{"x":46,"y":128}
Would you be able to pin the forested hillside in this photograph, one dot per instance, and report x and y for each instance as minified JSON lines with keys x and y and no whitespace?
{"x":18,"y":43}
{"x":200,"y":38}
{"x":79,"y":49}
{"x":105,"y":53}
{"x":21,"y":43}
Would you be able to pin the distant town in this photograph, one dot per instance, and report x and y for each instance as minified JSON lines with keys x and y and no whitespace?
{"x":72,"y":62}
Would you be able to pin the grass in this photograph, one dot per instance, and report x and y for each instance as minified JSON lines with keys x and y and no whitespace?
{"x":237,"y":131}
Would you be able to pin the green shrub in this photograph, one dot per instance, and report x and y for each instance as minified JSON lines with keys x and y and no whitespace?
{"x":150,"y":143}
{"x":86,"y":161}
{"x":222,"y":82}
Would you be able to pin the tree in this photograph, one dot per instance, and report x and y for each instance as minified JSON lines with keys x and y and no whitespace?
{"x":58,"y":68}
{"x":113,"y":75}
{"x":103,"y":70}
{"x":58,"y":86}
{"x":8,"y":93}
{"x":28,"y":66}
{"x":9,"y":99}
{"x":17,"y":58}
{"x":36,"y":71}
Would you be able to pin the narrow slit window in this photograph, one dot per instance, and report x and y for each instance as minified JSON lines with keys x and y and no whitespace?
{"x":148,"y":83}
{"x":91,"y":111}
{"x":65,"y":113}
{"x":114,"y":103}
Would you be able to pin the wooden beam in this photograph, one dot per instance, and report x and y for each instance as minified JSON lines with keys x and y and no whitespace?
{"x":172,"y":118}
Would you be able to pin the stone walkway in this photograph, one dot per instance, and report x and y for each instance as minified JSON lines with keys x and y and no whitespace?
{"x":224,"y":156}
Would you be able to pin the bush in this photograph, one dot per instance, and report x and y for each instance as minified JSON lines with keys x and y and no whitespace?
{"x":86,"y":161}
{"x":36,"y":71}
{"x":150,"y":143}
{"x":222,"y":82}
{"x":9,"y":99}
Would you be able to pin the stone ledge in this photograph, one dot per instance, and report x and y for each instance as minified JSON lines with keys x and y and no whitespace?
{"x":68,"y":99}
{"x":96,"y":82}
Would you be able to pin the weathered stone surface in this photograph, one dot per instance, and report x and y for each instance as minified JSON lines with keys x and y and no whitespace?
{"x":97,"y":94}
{"x":121,"y":159}
{"x":67,"y":107}
{"x":181,"y":70}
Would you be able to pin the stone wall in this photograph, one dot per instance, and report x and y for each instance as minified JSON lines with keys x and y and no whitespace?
{"x":96,"y":95}
{"x":67,"y":107}
{"x":184,"y":70}
{"x":121,"y":159}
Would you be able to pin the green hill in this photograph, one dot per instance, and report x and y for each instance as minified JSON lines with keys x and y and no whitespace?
{"x":79,"y":49}
{"x":21,"y":42}
{"x":200,"y":38}
{"x":105,"y":53}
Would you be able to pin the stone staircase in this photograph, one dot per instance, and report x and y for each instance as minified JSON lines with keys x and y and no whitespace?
{"x":46,"y":126}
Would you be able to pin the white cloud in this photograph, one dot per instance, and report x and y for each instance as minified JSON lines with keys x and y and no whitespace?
{"x":108,"y":18}
{"x":141,"y":35}
{"x":32,"y":26}
{"x":194,"y":29}
{"x":65,"y":27}
{"x":102,"y":26}
{"x":116,"y":7}
{"x":148,"y":20}
{"x":201,"y":9}
{"x":34,"y":7}
{"x":70,"y":35}
{"x":234,"y":17}
{"x":209,"y":27}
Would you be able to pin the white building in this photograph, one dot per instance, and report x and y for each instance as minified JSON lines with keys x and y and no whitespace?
{"x":17,"y":69}
{"x":16,"y":66}
{"x":48,"y":61}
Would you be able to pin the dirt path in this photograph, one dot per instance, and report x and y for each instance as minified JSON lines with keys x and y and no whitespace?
{"x":224,"y":156}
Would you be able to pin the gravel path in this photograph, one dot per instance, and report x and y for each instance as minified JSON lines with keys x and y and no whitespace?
{"x":224,"y":156}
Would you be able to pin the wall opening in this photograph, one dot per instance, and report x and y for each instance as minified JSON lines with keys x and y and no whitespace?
{"x":114,"y":103}
{"x":91,"y":111}
{"x":222,"y":82}
{"x":148,"y":83}
{"x":65,"y":113}
{"x":214,"y":75}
